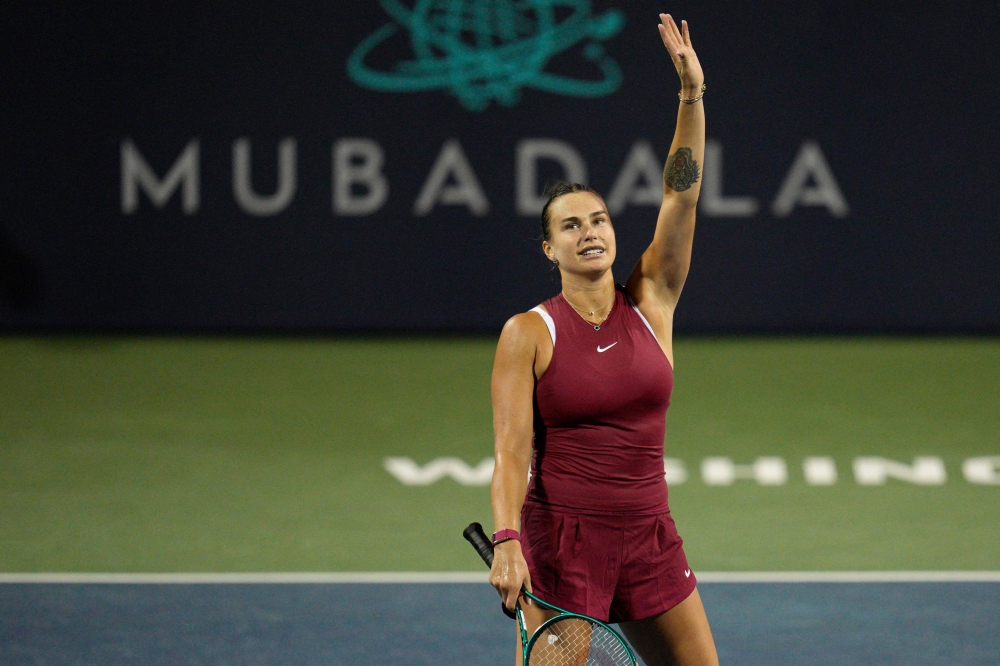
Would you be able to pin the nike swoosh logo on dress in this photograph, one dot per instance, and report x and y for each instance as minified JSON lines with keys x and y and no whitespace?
{"x":687,"y":573}
{"x":599,"y":350}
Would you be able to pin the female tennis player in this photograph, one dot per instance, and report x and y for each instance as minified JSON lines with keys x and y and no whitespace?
{"x":580,"y":387}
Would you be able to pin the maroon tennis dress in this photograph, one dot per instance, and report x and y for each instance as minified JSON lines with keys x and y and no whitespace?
{"x":595,"y":529}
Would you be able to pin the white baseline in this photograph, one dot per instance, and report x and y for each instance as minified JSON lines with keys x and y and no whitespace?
{"x":482,"y":576}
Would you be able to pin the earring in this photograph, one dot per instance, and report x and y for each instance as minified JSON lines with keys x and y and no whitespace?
{"x":554,"y":261}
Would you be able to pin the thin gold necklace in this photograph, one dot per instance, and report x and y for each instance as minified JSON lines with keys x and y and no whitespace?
{"x":590,"y":313}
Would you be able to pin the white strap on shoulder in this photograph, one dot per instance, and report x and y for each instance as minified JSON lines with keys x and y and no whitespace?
{"x":641,"y":316}
{"x":551,"y":324}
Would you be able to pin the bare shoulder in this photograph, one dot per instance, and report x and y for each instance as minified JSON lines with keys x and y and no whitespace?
{"x":525,"y":339}
{"x":524,"y":332}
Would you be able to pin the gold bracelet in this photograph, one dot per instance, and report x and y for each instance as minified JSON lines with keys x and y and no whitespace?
{"x":691,"y":100}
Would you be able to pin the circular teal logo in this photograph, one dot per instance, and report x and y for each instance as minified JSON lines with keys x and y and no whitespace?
{"x":488,"y":50}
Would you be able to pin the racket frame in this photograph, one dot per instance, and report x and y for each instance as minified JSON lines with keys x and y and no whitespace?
{"x":563,"y":615}
{"x":477,"y":537}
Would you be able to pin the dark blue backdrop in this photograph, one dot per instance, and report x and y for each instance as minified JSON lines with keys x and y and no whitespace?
{"x":876,"y":119}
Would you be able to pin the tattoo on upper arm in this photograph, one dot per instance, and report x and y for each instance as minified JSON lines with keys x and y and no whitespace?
{"x":682,"y":170}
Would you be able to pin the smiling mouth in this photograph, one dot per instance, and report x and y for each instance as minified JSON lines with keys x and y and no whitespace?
{"x":592,"y":251}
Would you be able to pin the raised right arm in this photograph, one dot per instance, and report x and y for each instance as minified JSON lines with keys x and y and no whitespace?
{"x":512,"y":387}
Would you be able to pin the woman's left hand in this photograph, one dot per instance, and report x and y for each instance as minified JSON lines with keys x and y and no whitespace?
{"x":678,"y":43}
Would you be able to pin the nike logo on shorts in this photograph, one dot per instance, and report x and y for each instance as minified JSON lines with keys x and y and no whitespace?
{"x":599,"y":350}
{"x":687,"y":573}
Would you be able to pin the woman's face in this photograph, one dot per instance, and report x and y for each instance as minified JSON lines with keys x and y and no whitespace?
{"x":581,"y":237}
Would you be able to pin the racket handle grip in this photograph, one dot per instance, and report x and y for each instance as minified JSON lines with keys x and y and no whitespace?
{"x":475,"y":535}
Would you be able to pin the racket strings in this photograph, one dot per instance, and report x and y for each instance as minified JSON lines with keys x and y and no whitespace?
{"x":576,"y":642}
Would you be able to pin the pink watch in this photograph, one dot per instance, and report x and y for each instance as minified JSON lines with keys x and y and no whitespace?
{"x":505,"y":535}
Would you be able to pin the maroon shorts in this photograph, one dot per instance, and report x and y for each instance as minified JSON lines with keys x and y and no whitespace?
{"x":612,"y":567}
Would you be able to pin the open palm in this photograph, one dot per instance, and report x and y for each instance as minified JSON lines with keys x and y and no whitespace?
{"x":678,"y":43}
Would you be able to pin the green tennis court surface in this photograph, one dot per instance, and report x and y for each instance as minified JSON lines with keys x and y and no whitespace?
{"x":162,"y":454}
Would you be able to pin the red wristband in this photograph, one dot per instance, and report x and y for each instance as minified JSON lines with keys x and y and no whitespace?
{"x":505,"y":535}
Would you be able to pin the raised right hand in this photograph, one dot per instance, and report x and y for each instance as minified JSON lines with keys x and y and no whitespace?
{"x":509,"y":573}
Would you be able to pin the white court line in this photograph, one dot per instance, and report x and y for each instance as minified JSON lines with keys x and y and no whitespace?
{"x":849,"y":577}
{"x":481,"y":577}
{"x":252,"y":578}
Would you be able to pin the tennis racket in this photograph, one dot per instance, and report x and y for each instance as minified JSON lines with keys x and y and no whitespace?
{"x":568,"y":639}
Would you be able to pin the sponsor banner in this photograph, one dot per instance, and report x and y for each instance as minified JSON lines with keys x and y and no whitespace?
{"x":378,"y":165}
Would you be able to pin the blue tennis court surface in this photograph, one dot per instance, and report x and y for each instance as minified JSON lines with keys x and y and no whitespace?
{"x":460,"y":623}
